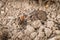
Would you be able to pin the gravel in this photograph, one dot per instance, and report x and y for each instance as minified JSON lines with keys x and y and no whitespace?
{"x":29,"y":20}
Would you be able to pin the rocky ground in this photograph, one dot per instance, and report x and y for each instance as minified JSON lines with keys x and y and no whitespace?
{"x":29,"y":20}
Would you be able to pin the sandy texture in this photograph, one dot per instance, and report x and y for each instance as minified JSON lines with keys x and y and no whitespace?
{"x":29,"y":20}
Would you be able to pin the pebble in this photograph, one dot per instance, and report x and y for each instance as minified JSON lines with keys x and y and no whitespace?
{"x":55,"y":38}
{"x":58,"y":19}
{"x":36,"y":24}
{"x":57,"y":32}
{"x":48,"y":32}
{"x":42,"y":15}
{"x":58,"y":16}
{"x":2,"y":12}
{"x":1,"y":4}
{"x":0,"y":34}
{"x":36,"y":38}
{"x":20,"y":35}
{"x":50,"y":24}
{"x":41,"y":28}
{"x":33,"y":35}
{"x":51,"y":39}
{"x":4,"y":0}
{"x":29,"y":29}
{"x":41,"y":34}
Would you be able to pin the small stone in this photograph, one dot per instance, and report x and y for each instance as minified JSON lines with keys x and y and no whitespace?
{"x":57,"y":32}
{"x":20,"y":35}
{"x":50,"y":24}
{"x":4,"y":0}
{"x":29,"y":29}
{"x":36,"y":24}
{"x":42,"y":15}
{"x":48,"y":32}
{"x":46,"y":6}
{"x":34,"y":15}
{"x":41,"y":34}
{"x":36,"y":38}
{"x":4,"y":35}
{"x":2,"y":12}
{"x":53,"y":15}
{"x":26,"y":38}
{"x":33,"y":35}
{"x":0,"y":34}
{"x":58,"y":16}
{"x":55,"y":38}
{"x":51,"y":39}
{"x":42,"y":27}
{"x":1,"y":4}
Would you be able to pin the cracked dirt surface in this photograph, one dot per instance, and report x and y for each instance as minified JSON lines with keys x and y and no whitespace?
{"x":29,"y":20}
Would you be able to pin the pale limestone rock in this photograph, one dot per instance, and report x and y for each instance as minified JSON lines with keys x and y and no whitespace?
{"x":58,"y":20}
{"x":50,"y":24}
{"x":36,"y":24}
{"x":0,"y":35}
{"x":26,"y":38}
{"x":4,"y":0}
{"x":29,"y":29}
{"x":42,"y":27}
{"x":53,"y":15}
{"x":41,"y":34}
{"x":55,"y":38}
{"x":36,"y":38}
{"x":2,"y":12}
{"x":58,"y":16}
{"x":15,"y":4}
{"x":1,"y":3}
{"x":34,"y":34}
{"x":14,"y":34}
{"x":51,"y":39}
{"x":48,"y":32}
{"x":57,"y":32}
{"x":20,"y":35}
